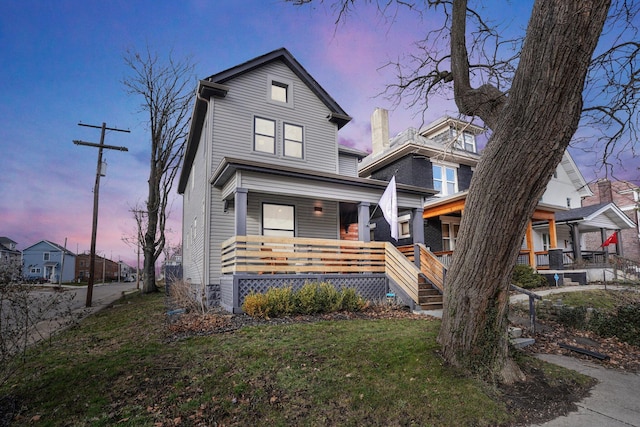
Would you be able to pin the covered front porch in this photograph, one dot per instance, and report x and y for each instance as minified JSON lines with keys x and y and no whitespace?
{"x":257,"y":263}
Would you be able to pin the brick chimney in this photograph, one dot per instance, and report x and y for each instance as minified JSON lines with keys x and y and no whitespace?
{"x":604,"y":191}
{"x":379,"y":130}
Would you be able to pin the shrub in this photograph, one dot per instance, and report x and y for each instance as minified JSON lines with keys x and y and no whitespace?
{"x":623,"y":324}
{"x":350,"y":300}
{"x":280,"y":301}
{"x":256,"y":305}
{"x":310,"y":299}
{"x":305,"y":299}
{"x":526,"y":277}
{"x":573,"y":317}
{"x":182,"y":295}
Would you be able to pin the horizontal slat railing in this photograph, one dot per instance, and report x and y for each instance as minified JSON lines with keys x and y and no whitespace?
{"x":402,"y":271}
{"x":432,"y":267}
{"x":265,"y":255}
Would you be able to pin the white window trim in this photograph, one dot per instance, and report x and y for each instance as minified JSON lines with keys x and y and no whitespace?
{"x":447,"y":165}
{"x":404,"y":219}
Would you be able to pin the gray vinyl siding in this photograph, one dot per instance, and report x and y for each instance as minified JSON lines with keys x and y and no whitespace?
{"x":347,"y":165}
{"x":247,"y":98}
{"x":193,"y":202}
{"x":222,"y":227}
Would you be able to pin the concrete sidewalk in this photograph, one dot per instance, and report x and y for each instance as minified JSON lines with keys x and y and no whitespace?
{"x":613,"y":402}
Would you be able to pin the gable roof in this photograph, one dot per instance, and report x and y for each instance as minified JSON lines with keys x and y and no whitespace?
{"x":338,"y":115}
{"x":594,"y":216}
{"x":574,"y":174}
{"x":214,"y":86}
{"x":7,"y":241}
{"x":55,"y":246}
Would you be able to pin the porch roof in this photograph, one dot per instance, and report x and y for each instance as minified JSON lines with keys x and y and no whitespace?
{"x":437,"y":206}
{"x":228,"y":167}
{"x":595,"y":217}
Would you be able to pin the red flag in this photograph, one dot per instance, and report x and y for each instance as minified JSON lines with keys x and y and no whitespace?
{"x":613,"y":239}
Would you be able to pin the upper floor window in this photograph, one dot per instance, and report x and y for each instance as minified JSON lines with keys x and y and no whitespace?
{"x":279,"y":91}
{"x":444,"y":180}
{"x":46,"y":256}
{"x":264,"y":138}
{"x":465,"y":141}
{"x":293,"y":141}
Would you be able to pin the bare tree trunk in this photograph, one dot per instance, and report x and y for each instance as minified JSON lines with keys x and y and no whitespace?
{"x":166,"y":94}
{"x":532,"y":127}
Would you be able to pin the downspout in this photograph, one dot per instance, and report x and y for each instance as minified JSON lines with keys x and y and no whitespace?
{"x":206,"y":256}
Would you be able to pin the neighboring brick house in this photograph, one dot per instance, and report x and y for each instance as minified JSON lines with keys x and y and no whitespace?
{"x":626,"y":196}
{"x":104,"y":269}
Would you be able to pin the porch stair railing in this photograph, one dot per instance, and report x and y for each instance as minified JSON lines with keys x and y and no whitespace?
{"x":433,"y":273}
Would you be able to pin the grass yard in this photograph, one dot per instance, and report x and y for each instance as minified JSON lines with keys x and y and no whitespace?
{"x":122,"y":366}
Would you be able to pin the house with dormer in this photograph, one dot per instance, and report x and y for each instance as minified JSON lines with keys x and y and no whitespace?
{"x":444,"y":154}
{"x":270,"y":197}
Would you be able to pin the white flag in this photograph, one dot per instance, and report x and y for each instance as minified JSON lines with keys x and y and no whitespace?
{"x":389,"y":205}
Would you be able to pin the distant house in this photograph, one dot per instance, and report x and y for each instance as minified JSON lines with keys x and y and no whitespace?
{"x":270,"y":197}
{"x":8,"y":251}
{"x":104,"y":269}
{"x":49,"y":262}
{"x":10,"y":261}
{"x":626,"y":196}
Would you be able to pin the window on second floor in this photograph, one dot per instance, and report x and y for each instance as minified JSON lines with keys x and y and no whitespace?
{"x":264,"y":138}
{"x":465,"y":141}
{"x":445,"y":180}
{"x":46,"y":256}
{"x":293,"y":141}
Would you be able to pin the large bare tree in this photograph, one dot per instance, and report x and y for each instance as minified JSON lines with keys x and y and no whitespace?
{"x":165,"y":89}
{"x":530,"y":92}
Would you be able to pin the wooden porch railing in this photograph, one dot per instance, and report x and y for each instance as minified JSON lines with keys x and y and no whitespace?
{"x":266,"y":255}
{"x":431,"y":266}
{"x":402,"y":271}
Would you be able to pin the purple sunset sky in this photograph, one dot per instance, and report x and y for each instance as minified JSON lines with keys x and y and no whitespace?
{"x":62,"y":64}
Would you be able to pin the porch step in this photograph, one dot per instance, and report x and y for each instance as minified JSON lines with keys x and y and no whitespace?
{"x":431,"y":306}
{"x":569,"y":282}
{"x":522,"y":342}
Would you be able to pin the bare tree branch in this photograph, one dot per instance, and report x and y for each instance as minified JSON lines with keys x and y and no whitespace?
{"x":165,"y":89}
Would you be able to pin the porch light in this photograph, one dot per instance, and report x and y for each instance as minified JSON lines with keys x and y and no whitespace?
{"x":317,"y":209}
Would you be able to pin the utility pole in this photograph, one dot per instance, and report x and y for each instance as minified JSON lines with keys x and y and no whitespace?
{"x":96,"y":190}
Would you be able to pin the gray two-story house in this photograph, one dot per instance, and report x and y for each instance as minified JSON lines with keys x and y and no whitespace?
{"x":270,"y":198}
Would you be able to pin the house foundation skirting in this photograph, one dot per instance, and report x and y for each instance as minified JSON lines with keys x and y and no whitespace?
{"x":234,"y":288}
